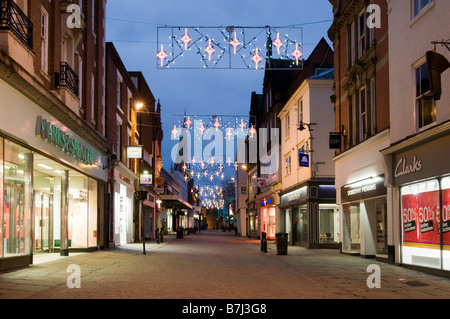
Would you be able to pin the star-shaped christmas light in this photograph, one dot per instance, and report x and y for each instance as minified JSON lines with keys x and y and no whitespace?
{"x":235,"y":43}
{"x":162,"y":55}
{"x":188,"y":122}
{"x":175,"y":132}
{"x":209,"y":50}
{"x":186,"y":39}
{"x":297,"y":53}
{"x":252,"y":131}
{"x":217,"y":124}
{"x":229,"y":134}
{"x":256,"y":58}
{"x":242,"y":125}
{"x":277,"y":43}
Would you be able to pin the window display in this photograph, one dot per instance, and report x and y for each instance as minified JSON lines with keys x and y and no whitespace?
{"x":328,"y":224}
{"x":420,"y":218}
{"x":17,"y":200}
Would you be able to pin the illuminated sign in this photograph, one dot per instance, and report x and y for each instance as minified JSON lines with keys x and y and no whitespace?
{"x":368,"y":188}
{"x":146,"y":179}
{"x":134,"y":151}
{"x":266,"y":201}
{"x":62,"y":140}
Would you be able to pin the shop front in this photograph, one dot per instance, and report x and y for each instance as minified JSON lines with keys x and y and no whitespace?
{"x":364,"y":218}
{"x":310,"y":216}
{"x":124,"y":205}
{"x":52,"y":181}
{"x":421,"y":180}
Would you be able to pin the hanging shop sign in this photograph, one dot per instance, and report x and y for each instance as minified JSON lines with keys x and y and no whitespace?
{"x":63,"y":140}
{"x":134,"y":151}
{"x":304,"y":160}
{"x":335,"y":140}
{"x":146,"y":179}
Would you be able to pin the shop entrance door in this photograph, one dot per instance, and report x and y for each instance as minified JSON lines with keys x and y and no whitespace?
{"x":42,"y":222}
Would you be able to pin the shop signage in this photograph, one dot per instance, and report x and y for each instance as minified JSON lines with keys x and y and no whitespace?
{"x":335,"y":140}
{"x":403,"y":167}
{"x":266,"y":201}
{"x":134,"y":151}
{"x":304,"y":160}
{"x":146,"y":179}
{"x":63,"y":141}
{"x":369,"y":188}
{"x":294,"y":197}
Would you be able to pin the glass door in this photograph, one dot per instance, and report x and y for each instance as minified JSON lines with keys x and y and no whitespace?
{"x":42,"y":222}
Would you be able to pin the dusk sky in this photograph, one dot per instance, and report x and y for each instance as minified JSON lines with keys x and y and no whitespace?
{"x":132,"y":27}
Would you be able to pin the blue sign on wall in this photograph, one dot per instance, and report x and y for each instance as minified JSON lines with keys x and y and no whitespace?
{"x":304,"y":160}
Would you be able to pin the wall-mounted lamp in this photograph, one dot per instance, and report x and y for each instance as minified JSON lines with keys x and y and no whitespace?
{"x":302,"y":126}
{"x":112,"y":159}
{"x":139,"y":105}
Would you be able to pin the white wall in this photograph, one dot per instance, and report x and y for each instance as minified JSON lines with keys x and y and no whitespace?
{"x":409,"y":40}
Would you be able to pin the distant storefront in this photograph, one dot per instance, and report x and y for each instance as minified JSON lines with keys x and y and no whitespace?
{"x":311,"y":216}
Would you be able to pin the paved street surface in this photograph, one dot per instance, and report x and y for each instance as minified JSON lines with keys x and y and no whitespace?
{"x":216,"y":265}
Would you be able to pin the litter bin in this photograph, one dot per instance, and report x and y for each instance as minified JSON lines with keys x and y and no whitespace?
{"x":180,"y":232}
{"x":282,"y":243}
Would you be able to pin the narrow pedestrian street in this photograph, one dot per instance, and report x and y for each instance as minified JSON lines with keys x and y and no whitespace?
{"x":215,"y":265}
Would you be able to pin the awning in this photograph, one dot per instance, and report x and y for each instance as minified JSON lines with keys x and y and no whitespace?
{"x":169,"y":200}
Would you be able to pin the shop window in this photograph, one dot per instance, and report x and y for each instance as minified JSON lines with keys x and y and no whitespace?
{"x":328,"y":224}
{"x":17,"y":200}
{"x":445,"y":185}
{"x":78,"y":210}
{"x":351,"y":228}
{"x":1,"y":198}
{"x":93,"y":209}
{"x":381,"y":215}
{"x":420,"y":216}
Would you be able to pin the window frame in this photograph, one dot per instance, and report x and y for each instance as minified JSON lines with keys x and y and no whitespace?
{"x":420,"y":97}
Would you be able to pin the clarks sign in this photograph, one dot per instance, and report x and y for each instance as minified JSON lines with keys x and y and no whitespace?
{"x":63,"y":141}
{"x":405,"y":168}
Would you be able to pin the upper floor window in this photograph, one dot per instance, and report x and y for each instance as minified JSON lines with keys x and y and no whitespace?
{"x":119,"y":93}
{"x":44,"y":40}
{"x":419,"y":5}
{"x":288,"y":165}
{"x":425,"y":106}
{"x":362,"y":34}
{"x":288,"y":126}
{"x":300,"y":111}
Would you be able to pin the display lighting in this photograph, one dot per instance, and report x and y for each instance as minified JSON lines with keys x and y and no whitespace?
{"x":277,"y":43}
{"x":209,"y":50}
{"x":175,"y":132}
{"x":186,"y":39}
{"x":256,"y":58}
{"x":162,"y":55}
{"x":297,"y":53}
{"x":188,"y":122}
{"x":235,"y":43}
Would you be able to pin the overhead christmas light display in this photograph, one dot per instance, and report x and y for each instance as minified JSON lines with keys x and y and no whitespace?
{"x":230,"y":47}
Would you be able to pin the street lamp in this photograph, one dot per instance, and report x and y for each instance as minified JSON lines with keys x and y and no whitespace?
{"x":302,"y":125}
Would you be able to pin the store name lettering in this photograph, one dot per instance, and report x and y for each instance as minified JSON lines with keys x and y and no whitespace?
{"x":63,"y":141}
{"x":363,"y":189}
{"x":404,"y":168}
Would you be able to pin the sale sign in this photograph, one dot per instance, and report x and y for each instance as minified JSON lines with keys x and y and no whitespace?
{"x":420,"y":215}
{"x":446,"y":216}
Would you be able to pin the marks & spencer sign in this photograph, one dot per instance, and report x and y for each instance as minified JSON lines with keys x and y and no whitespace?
{"x":63,"y":140}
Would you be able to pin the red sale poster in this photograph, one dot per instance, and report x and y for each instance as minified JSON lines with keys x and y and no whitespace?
{"x":446,"y":216}
{"x":420,"y":218}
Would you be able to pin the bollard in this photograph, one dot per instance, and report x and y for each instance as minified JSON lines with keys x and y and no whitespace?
{"x":264,"y":243}
{"x":157,"y":236}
